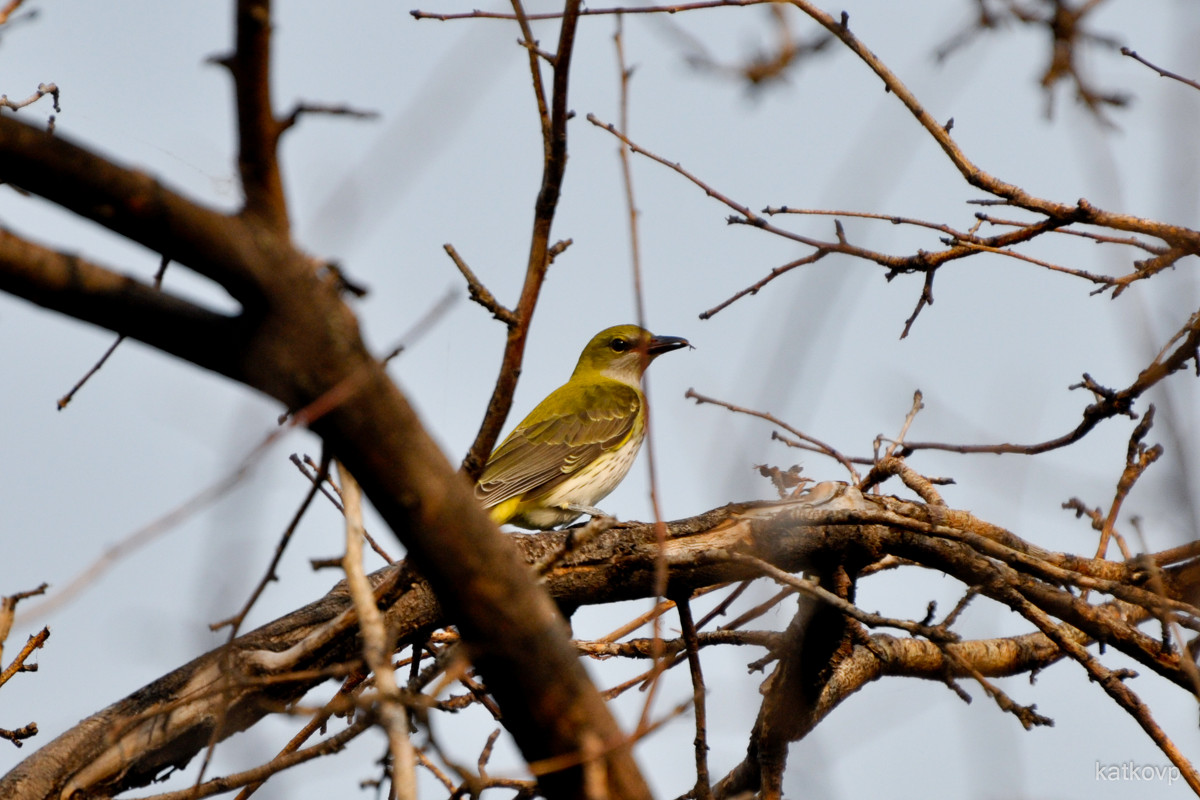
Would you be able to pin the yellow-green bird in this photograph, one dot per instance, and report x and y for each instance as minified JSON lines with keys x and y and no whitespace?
{"x":577,"y":445}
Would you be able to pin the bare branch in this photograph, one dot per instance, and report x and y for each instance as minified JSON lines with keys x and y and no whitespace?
{"x":235,"y":622}
{"x":275,"y":664}
{"x":93,"y":293}
{"x":258,"y":128}
{"x":136,"y":206}
{"x":1138,"y":459}
{"x":589,"y":12}
{"x":257,"y":775}
{"x":43,"y":89}
{"x":1109,"y":403}
{"x":8,"y":10}
{"x":377,"y":645}
{"x":554,"y":141}
{"x":814,"y":590}
{"x":1082,"y":211}
{"x":691,"y":642}
{"x":66,"y":398}
{"x":8,"y":608}
{"x":816,"y":445}
{"x":1125,"y":51}
{"x":18,"y":664}
{"x":325,"y":109}
{"x":479,"y":293}
{"x":1114,"y":685}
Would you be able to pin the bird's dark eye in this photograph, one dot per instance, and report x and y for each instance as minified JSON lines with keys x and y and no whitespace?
{"x":619,"y":345}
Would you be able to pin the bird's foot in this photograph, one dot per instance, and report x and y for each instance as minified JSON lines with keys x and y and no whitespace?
{"x":591,"y":511}
{"x":581,"y":533}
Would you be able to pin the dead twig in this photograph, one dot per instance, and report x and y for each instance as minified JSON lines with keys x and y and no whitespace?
{"x":816,"y":445}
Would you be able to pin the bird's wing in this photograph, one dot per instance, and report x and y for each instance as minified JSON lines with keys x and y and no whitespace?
{"x":587,"y":421}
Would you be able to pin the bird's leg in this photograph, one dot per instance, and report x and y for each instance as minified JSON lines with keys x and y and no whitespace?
{"x":591,"y":511}
{"x":597,"y":515}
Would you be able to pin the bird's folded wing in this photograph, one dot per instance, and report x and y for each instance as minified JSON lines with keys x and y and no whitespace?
{"x":568,"y":430}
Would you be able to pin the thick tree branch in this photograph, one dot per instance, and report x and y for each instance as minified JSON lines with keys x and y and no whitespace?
{"x":86,"y":291}
{"x":258,"y":128}
{"x":167,"y":722}
{"x":132,"y":204}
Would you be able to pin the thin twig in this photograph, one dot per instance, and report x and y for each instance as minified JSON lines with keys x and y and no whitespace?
{"x":235,"y":622}
{"x":553,"y":114}
{"x":754,"y":288}
{"x":1131,"y":241}
{"x":326,"y":109}
{"x":813,"y":589}
{"x":1113,"y":684}
{"x":1125,"y":51}
{"x":478,"y":292}
{"x":259,"y":774}
{"x":42,"y":90}
{"x":660,"y":529}
{"x":591,"y":12}
{"x":823,"y":448}
{"x":1138,"y":459}
{"x":8,"y":611}
{"x":320,"y":478}
{"x":7,"y":11}
{"x":423,"y":325}
{"x":740,"y":620}
{"x":1108,"y":403}
{"x":644,"y":648}
{"x":918,"y":405}
{"x":34,"y":642}
{"x":348,"y":688}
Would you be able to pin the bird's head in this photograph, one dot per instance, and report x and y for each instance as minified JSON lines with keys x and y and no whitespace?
{"x":623,"y":352}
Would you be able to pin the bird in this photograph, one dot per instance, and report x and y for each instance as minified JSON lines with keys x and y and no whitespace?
{"x":578,"y":443}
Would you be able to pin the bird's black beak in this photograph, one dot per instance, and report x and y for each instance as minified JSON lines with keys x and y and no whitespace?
{"x":665,"y":344}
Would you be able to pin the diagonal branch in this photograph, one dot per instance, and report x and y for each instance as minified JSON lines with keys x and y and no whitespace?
{"x":553,"y":169}
{"x":1113,"y":684}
